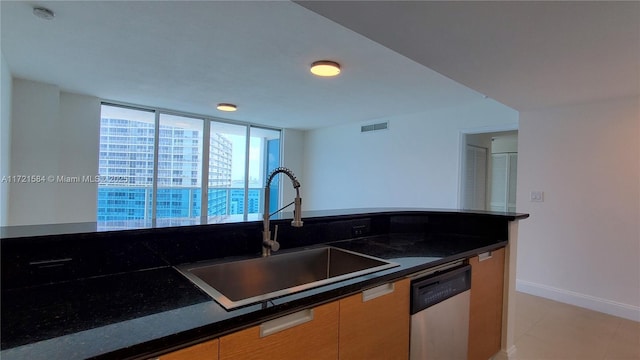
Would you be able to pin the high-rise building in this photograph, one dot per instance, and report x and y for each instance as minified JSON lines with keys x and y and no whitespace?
{"x":126,"y":168}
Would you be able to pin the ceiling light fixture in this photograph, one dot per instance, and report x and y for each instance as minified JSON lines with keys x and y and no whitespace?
{"x":43,"y":13}
{"x":226,"y":107}
{"x":325,"y":68}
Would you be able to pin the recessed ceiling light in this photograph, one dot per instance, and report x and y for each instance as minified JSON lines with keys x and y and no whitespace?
{"x":226,"y":107}
{"x":325,"y":68}
{"x":43,"y":13}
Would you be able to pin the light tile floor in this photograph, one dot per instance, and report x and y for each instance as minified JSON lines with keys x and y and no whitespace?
{"x":547,"y":329}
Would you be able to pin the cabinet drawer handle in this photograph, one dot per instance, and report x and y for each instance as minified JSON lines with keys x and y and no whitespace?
{"x":485,"y":256}
{"x":377,"y":292}
{"x":285,"y":322}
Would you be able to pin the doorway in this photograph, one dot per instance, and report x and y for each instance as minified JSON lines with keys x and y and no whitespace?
{"x":488,"y":175}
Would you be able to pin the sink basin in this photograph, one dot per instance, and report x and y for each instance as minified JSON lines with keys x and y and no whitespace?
{"x":238,"y":283}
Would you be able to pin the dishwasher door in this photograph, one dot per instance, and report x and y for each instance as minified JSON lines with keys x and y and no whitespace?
{"x":440,"y":315}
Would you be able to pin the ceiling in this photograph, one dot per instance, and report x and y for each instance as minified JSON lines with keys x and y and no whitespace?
{"x":525,"y":54}
{"x":397,"y":57}
{"x":189,"y":56}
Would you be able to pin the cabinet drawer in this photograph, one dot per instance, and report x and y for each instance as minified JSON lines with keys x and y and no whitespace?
{"x":292,"y":337}
{"x":207,"y":350}
{"x":375,"y":324}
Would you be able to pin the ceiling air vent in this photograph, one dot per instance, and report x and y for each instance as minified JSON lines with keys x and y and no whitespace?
{"x":374,"y":127}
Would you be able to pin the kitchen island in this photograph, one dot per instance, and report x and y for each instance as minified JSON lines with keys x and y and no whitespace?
{"x":116,"y":295}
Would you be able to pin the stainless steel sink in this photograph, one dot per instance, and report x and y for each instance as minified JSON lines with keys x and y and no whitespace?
{"x":239,"y":283}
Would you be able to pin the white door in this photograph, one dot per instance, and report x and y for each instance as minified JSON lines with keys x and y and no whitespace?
{"x":503,"y":181}
{"x":475,"y":188}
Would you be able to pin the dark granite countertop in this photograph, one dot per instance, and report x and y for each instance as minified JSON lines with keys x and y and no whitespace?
{"x":142,"y":313}
{"x":137,"y":225}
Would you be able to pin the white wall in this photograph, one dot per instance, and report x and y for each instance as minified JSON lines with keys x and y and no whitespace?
{"x":582,"y":244}
{"x":79,"y":134}
{"x":53,"y":134}
{"x":293,"y":158}
{"x":415,"y":163}
{"x":5,"y":138}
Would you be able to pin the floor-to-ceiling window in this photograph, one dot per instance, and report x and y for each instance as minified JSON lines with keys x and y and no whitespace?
{"x":126,"y":164}
{"x":264,"y":151}
{"x":227,"y":169}
{"x":158,"y":166}
{"x":179,"y":179}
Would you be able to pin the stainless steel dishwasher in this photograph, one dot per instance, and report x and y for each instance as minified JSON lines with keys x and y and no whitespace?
{"x":440,"y":313}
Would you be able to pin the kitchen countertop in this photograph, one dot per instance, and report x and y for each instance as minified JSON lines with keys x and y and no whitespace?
{"x":141,"y":225}
{"x":139,"y":314}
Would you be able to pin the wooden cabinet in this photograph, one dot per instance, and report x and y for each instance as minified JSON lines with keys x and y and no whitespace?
{"x":368,"y":325}
{"x":207,"y":350}
{"x":374,"y":324}
{"x":485,"y":316}
{"x":308,"y":334}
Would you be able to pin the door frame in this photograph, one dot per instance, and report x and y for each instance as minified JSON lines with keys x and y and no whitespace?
{"x":462,"y":143}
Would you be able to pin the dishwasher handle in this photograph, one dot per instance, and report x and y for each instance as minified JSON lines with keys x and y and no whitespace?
{"x":431,"y":290}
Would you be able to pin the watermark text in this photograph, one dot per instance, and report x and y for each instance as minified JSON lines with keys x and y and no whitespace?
{"x":63,"y":179}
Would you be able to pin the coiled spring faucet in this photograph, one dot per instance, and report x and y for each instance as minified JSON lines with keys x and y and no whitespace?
{"x":269,"y":245}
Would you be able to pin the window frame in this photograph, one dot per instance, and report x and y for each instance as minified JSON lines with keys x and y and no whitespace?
{"x":207,"y":122}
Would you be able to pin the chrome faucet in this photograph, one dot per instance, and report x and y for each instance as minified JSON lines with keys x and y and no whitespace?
{"x":269,"y":245}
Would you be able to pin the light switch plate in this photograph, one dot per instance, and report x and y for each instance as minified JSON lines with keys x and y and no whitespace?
{"x":537,"y":196}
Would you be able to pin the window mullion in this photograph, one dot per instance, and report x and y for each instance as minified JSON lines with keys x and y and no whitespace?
{"x":204,"y":203}
{"x":245,"y":204}
{"x":265,"y":171}
{"x":156,"y":151}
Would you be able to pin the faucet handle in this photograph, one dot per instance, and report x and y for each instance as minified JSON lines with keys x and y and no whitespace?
{"x":271,"y":245}
{"x":275,"y":245}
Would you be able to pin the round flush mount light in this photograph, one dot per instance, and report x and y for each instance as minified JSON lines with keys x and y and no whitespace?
{"x":226,"y":107}
{"x":325,"y":68}
{"x":43,"y":13}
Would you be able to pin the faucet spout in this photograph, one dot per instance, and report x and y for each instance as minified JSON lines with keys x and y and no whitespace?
{"x":267,"y":244}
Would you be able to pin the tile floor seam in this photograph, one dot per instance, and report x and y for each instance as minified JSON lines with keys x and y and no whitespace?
{"x":610,"y":343}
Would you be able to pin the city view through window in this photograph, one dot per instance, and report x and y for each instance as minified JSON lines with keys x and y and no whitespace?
{"x":177,"y":168}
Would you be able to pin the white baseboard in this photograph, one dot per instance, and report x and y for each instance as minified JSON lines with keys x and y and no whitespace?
{"x":582,"y":300}
{"x":506,"y":354}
